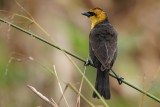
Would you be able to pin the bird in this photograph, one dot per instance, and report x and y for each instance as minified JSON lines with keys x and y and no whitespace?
{"x":102,"y":49}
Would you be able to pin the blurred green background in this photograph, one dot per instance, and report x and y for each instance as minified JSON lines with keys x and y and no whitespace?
{"x":137,"y":23}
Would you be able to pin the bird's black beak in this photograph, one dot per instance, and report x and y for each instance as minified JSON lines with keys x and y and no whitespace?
{"x":86,"y":14}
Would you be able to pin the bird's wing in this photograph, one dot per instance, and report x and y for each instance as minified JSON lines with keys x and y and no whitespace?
{"x":103,"y":44}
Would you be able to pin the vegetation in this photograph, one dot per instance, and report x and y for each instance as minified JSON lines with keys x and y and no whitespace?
{"x":24,"y":60}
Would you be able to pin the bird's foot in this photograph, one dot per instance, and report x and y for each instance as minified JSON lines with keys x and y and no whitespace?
{"x":119,"y":78}
{"x":88,"y":62}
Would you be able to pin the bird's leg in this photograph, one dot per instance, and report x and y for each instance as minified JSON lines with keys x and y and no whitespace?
{"x":119,"y":79}
{"x":88,"y":62}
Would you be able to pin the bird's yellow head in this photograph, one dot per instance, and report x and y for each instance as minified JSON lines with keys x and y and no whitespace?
{"x":96,"y":16}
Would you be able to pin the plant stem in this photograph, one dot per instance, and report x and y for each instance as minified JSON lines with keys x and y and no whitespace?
{"x":77,"y":57}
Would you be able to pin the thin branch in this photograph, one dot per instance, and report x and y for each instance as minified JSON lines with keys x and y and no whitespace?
{"x":77,"y":57}
{"x":76,"y":91}
{"x":60,"y":85}
{"x":44,"y":98}
{"x":80,"y":89}
{"x":65,"y":89}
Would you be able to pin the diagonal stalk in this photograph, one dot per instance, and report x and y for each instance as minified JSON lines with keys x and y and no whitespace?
{"x":77,"y":57}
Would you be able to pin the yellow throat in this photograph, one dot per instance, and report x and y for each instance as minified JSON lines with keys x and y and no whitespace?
{"x":97,"y":19}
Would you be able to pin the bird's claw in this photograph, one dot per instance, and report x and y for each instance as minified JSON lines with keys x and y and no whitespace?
{"x":119,"y":79}
{"x":88,"y":62}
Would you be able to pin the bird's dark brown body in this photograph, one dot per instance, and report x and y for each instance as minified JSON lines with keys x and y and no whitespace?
{"x":103,"y":52}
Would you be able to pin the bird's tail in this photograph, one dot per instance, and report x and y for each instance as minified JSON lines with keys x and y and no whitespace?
{"x":102,"y":84}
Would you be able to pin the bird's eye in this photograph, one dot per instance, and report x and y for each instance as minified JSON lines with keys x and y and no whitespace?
{"x":92,"y":14}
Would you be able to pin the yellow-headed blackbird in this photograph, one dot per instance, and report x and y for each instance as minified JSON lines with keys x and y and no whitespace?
{"x":102,"y":48}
